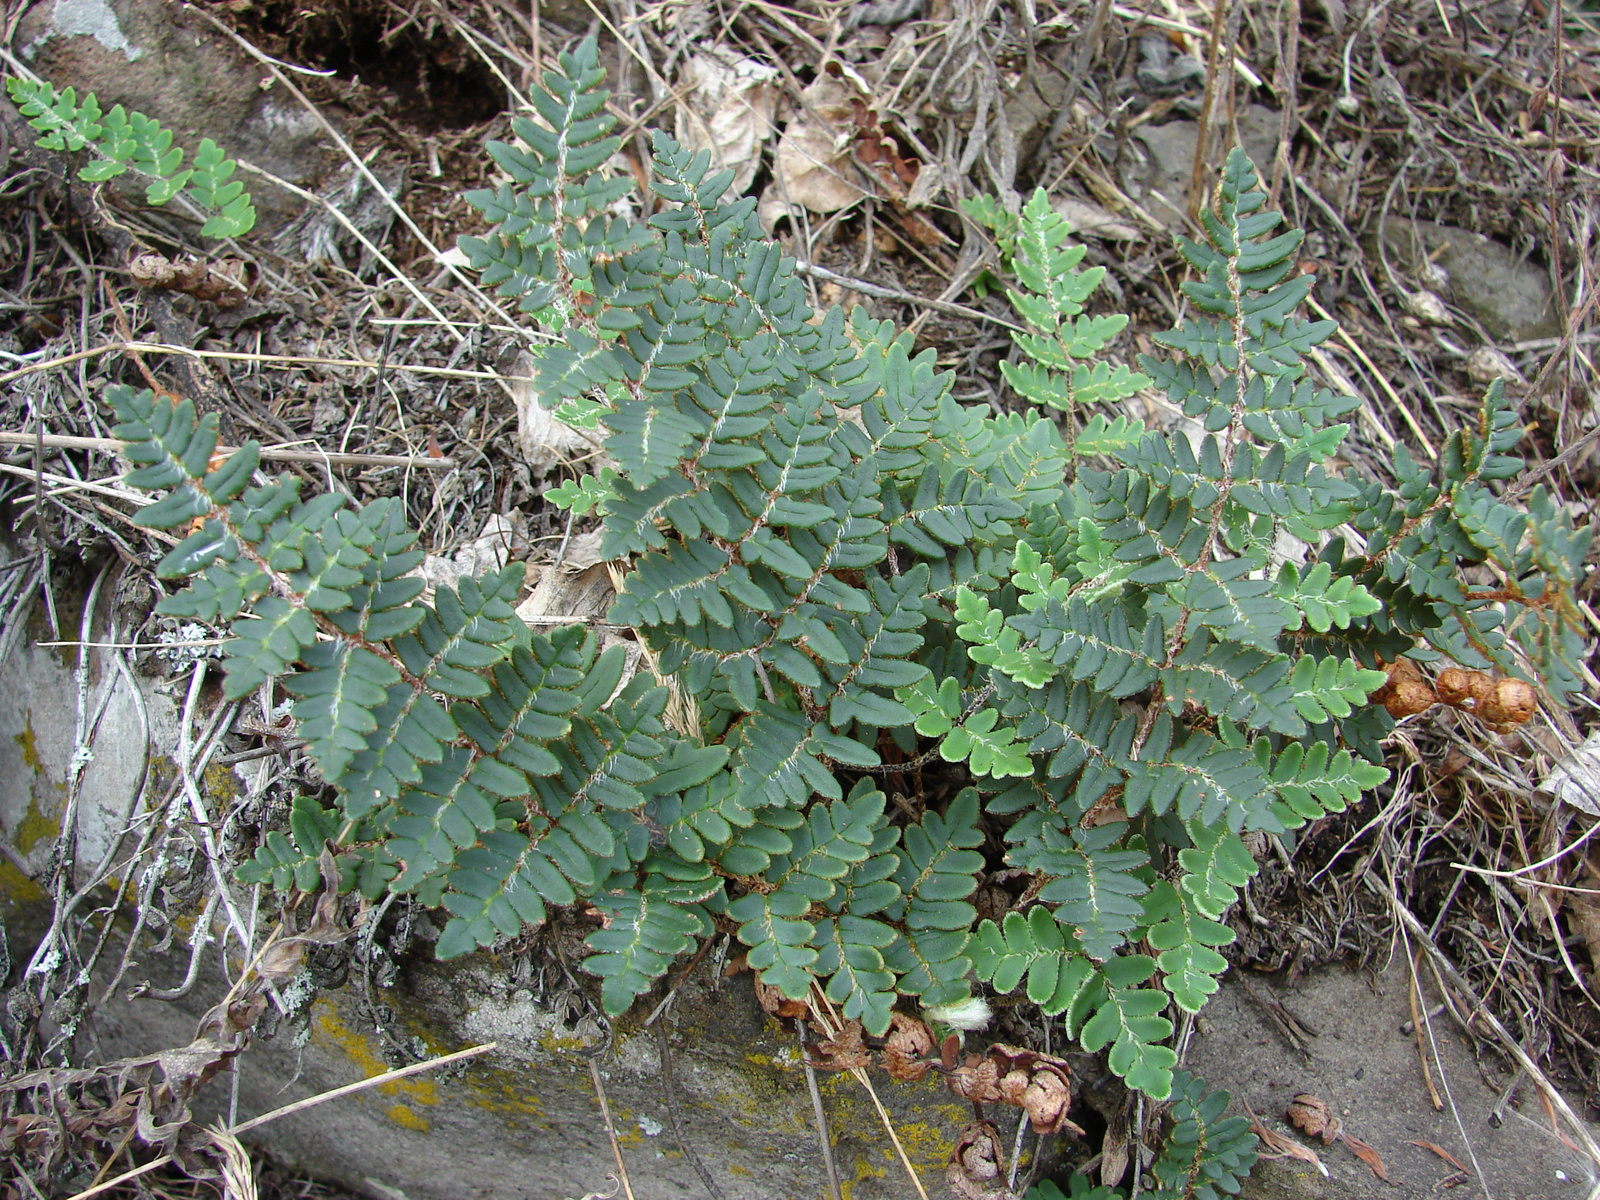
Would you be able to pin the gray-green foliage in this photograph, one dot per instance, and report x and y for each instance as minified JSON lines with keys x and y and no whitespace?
{"x":120,"y":141}
{"x":842,"y":566}
{"x":1204,"y":1156}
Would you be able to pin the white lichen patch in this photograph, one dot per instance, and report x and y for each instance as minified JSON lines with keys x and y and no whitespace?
{"x":87,"y":18}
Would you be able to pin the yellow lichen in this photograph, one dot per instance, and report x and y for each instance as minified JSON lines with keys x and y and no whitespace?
{"x":358,"y":1048}
{"x":28,"y":743}
{"x":402,"y":1116}
{"x":864,"y":1170}
{"x":34,"y":827}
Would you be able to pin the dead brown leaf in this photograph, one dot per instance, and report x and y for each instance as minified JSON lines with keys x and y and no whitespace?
{"x":1311,"y":1114}
{"x":726,"y":107}
{"x":778,"y":1005}
{"x":1367,"y":1155}
{"x":976,"y":1166}
{"x":845,"y":1051}
{"x":813,"y":165}
{"x":908,"y":1050}
{"x":225,"y":284}
{"x":1442,"y":1153}
{"x":152,"y":1091}
{"x":1275,"y":1145}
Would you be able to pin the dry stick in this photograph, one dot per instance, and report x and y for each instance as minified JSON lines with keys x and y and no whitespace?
{"x":1089,"y":41}
{"x":61,"y":441}
{"x":611,"y":1131}
{"x":1444,"y":1076}
{"x":366,"y":242}
{"x":361,"y":166}
{"x":819,"y":1113}
{"x":297,"y":1106}
{"x":61,"y":483}
{"x":1416,"y":1030}
{"x":883,"y":293}
{"x":1240,"y":67}
{"x":1382,"y":381}
{"x":668,"y":1092}
{"x":1289,"y":65}
{"x":1512,"y":1047}
{"x":285,"y":360}
{"x":1208,"y":107}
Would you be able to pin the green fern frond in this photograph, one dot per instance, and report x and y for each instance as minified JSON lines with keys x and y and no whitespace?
{"x":847,"y":570}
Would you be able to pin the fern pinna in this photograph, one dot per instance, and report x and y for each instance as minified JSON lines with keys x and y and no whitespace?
{"x":848,"y":570}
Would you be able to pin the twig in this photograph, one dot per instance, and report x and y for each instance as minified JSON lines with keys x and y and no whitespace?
{"x":1221,"y":15}
{"x":1416,"y":1030}
{"x":819,"y":1113}
{"x":611,"y":1131}
{"x":285,"y":360}
{"x":62,"y":441}
{"x":669,"y":1093}
{"x":298,"y":1106}
{"x":883,"y":293}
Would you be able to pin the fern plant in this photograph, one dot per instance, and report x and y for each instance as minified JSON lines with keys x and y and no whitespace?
{"x":119,"y":141}
{"x":866,"y":588}
{"x":1204,"y":1156}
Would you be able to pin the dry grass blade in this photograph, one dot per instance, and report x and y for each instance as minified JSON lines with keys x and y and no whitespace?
{"x":298,"y":1106}
{"x":827,"y":1017}
{"x":1508,"y":1043}
{"x":288,"y":360}
{"x":1416,"y":1028}
{"x":819,"y":1114}
{"x":56,"y":441}
{"x":238,"y":1177}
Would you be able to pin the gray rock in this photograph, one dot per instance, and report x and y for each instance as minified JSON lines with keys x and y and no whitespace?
{"x":523,"y":1121}
{"x":1510,"y":297}
{"x":154,"y":57}
{"x":1161,"y":185}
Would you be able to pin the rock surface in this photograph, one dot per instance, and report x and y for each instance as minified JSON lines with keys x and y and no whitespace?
{"x":525,"y":1121}
{"x":171,"y":64}
{"x":1367,"y":1070}
{"x":1162,"y":183}
{"x":1509,"y":296}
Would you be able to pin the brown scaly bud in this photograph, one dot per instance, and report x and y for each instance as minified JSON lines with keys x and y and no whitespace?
{"x":1513,"y":702}
{"x":1408,"y":699}
{"x":1039,"y":1084}
{"x":975,"y":1170}
{"x":1456,"y":687}
{"x":1406,"y":692}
